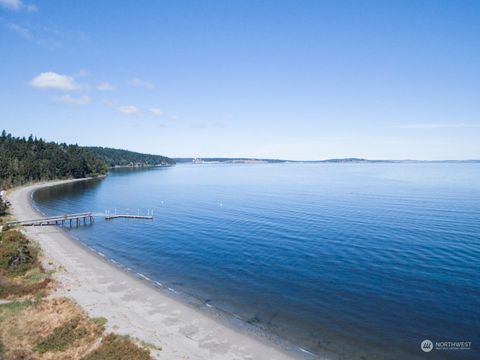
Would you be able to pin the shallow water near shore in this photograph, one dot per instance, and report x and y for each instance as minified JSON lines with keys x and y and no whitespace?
{"x":344,"y":260}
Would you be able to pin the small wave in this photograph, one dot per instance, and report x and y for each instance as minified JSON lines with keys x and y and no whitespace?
{"x":101,"y":254}
{"x":236,"y":316}
{"x":208,"y":305}
{"x":159,"y":284}
{"x":113,"y":261}
{"x":172,"y":290}
{"x":305,"y":351}
{"x":144,"y":277}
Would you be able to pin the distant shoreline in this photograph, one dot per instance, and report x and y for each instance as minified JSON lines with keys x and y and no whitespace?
{"x":335,"y":161}
{"x":140,"y":166}
{"x":131,"y":304}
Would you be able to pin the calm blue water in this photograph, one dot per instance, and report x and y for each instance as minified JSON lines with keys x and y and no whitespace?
{"x":351,"y":260}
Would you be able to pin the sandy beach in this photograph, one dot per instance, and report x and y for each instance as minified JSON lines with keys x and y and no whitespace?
{"x":131,"y":305}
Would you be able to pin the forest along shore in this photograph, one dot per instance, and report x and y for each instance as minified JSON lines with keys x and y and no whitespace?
{"x":129,"y":305}
{"x":29,"y":160}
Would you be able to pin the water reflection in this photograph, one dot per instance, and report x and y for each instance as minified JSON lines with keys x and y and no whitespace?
{"x":67,"y":191}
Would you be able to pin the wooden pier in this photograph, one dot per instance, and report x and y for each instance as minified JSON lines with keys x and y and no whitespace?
{"x":125,"y":216}
{"x":77,"y":219}
{"x":109,"y":216}
{"x":71,"y":219}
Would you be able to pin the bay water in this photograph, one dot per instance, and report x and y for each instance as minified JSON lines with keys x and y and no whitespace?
{"x":350,"y":261}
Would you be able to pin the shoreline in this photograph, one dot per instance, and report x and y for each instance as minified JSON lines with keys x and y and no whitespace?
{"x":132,"y":303}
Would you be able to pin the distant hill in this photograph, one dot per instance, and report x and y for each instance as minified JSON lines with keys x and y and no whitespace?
{"x":340,"y":160}
{"x":274,"y":161}
{"x":226,"y":160}
{"x":116,"y":157}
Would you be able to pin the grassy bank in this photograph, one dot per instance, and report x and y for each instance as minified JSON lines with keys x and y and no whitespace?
{"x":37,"y":324}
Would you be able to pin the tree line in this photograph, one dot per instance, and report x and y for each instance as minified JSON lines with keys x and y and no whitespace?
{"x":24,"y":160}
{"x":117,"y":157}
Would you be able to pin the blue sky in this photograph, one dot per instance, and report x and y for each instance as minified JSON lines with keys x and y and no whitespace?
{"x":273,"y":79}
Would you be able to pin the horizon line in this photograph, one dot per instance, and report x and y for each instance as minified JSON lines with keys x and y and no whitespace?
{"x":318,"y":160}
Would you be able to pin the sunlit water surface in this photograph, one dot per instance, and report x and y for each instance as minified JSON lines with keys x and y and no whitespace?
{"x":350,"y":260}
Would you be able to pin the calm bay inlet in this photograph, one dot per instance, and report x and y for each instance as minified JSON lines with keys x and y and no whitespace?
{"x":343,"y":261}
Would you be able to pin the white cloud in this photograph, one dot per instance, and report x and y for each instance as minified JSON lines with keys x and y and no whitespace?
{"x":30,"y":7}
{"x":110,"y":103}
{"x":105,"y":86}
{"x":156,"y":111}
{"x":83,"y":73}
{"x":53,"y":80}
{"x":40,"y":37}
{"x":49,"y":36}
{"x":20,"y":30}
{"x":71,"y":100}
{"x":11,"y":4}
{"x":17,"y":5}
{"x":141,"y":83}
{"x":122,"y":109}
{"x":128,"y":109}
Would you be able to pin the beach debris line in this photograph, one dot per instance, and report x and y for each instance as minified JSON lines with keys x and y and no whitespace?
{"x":115,"y":215}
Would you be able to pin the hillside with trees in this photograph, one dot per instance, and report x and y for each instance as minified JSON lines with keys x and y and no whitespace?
{"x":24,"y":160}
{"x":116,"y":157}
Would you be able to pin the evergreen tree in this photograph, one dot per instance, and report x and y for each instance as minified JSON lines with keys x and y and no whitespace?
{"x":25,"y":160}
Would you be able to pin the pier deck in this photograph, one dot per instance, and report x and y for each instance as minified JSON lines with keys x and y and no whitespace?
{"x":120,"y":216}
{"x":75,"y":219}
{"x":56,"y":220}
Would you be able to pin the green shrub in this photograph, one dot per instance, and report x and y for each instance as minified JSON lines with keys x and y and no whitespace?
{"x":61,"y":337}
{"x":100,"y":322}
{"x":35,"y":275}
{"x":17,"y":254}
{"x":13,"y":308}
{"x":3,"y":208}
{"x":116,"y":347}
{"x":12,"y":289}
